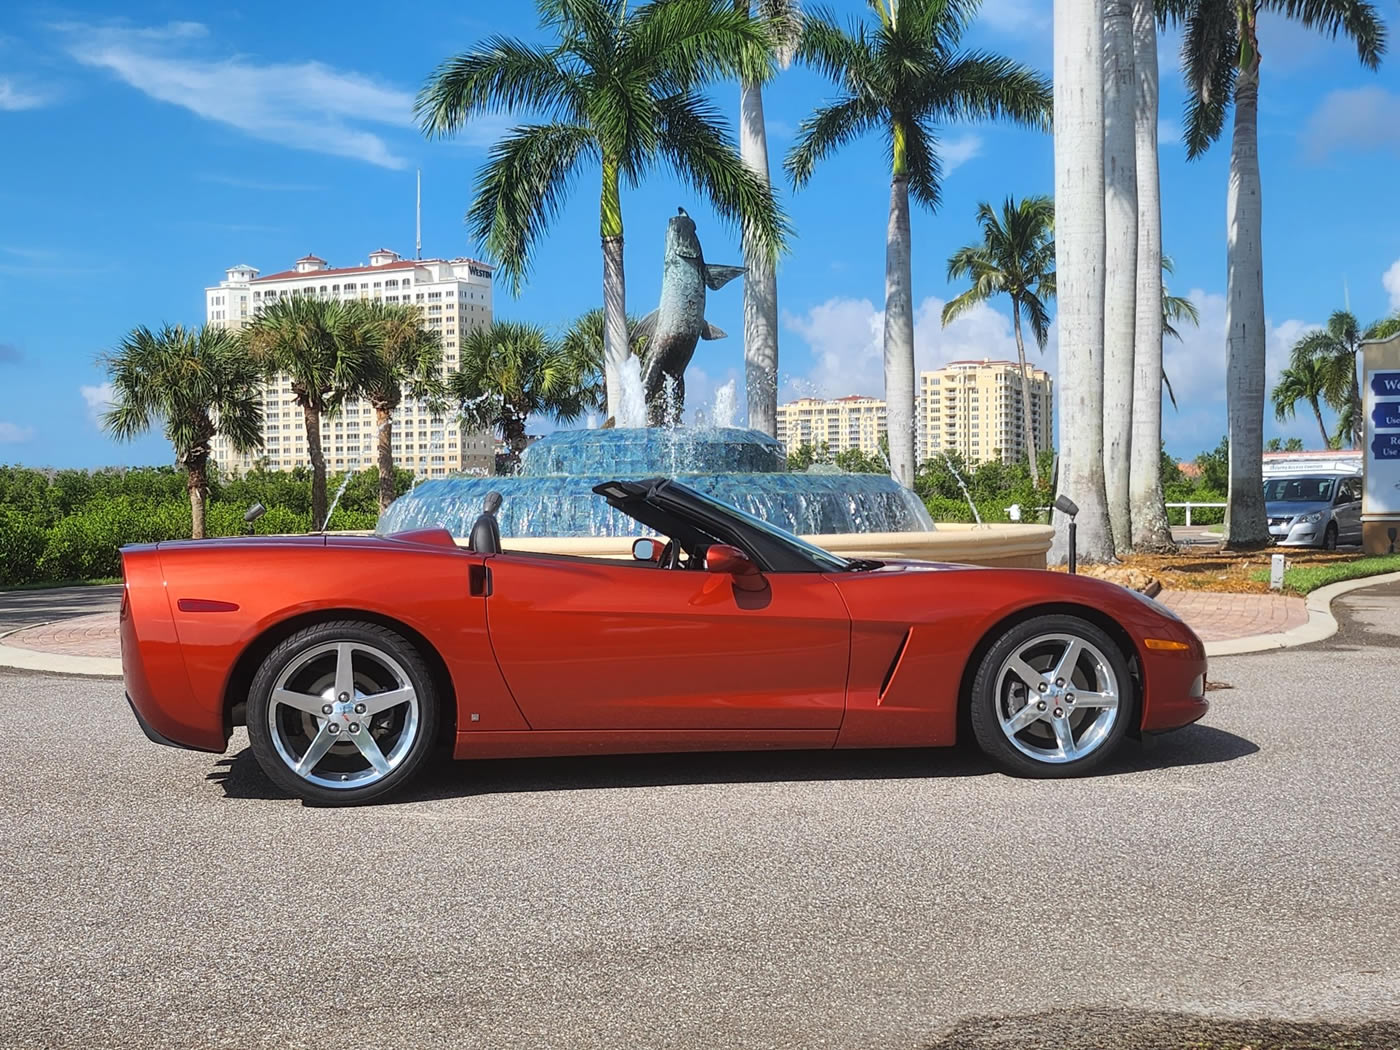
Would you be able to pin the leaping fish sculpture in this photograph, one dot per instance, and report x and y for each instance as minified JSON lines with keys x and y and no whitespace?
{"x":673,"y":328}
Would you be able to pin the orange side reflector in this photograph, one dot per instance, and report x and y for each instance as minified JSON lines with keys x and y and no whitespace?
{"x":1165,"y":644}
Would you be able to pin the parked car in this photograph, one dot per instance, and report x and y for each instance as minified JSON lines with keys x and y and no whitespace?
{"x":1314,"y":510}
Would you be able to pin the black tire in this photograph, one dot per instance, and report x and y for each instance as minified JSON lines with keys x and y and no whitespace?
{"x":301,"y":649}
{"x":984,"y":701}
{"x":1329,"y":537}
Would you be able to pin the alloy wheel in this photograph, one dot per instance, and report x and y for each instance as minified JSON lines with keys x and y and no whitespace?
{"x":1057,"y":698}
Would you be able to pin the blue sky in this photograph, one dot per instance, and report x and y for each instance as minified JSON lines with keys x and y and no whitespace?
{"x":146,"y":154}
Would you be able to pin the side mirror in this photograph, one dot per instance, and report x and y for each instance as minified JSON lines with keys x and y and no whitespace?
{"x":723,"y":558}
{"x":647,"y":549}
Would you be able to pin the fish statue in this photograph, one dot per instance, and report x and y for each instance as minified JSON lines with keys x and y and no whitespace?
{"x":673,"y":328}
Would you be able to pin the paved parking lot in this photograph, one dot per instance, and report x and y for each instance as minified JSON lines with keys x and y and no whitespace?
{"x":1247,"y":867}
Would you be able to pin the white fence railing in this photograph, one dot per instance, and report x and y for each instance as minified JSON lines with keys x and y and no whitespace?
{"x":1188,"y":507}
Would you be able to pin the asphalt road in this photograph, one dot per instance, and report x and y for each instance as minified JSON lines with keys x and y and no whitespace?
{"x":26,"y":608}
{"x":1244,"y":868}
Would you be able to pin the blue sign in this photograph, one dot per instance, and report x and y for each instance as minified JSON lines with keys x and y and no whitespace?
{"x":1385,"y":384}
{"x":1386,"y":415}
{"x":1386,"y":446}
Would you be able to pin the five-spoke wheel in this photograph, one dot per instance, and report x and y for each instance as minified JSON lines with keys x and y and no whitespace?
{"x":342,"y":712}
{"x":1052,"y":697}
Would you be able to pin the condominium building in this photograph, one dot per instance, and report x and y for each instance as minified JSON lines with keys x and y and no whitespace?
{"x":455,"y":297}
{"x":841,"y":424}
{"x":975,"y":408}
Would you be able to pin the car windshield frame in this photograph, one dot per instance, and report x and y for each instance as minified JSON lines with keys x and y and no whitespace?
{"x":824,"y":559}
{"x":1275,"y":489}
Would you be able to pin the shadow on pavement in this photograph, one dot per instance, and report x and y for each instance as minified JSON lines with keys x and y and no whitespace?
{"x":241,"y":777}
{"x":1124,"y":1029}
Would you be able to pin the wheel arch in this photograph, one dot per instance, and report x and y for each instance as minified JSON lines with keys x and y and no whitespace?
{"x":240,"y":678}
{"x":1097,"y":617}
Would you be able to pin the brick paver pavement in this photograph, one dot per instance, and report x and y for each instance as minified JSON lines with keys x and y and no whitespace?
{"x":1218,"y":617}
{"x":1215,"y":617}
{"x":91,"y":635}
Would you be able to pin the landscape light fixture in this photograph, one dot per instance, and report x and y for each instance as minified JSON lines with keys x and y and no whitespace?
{"x":1065,"y":505}
{"x":252,"y":514}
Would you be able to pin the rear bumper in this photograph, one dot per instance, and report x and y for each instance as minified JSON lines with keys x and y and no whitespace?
{"x":155,"y":737}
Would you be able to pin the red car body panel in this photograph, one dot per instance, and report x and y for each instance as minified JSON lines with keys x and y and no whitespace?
{"x":548,"y":655}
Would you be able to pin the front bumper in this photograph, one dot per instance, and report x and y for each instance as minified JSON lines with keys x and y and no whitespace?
{"x":1175,"y":683}
{"x":1304,"y":534}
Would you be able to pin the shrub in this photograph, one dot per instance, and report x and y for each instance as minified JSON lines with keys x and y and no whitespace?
{"x":21,"y":545}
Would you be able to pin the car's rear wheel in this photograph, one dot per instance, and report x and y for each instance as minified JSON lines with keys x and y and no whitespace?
{"x":1329,"y":538}
{"x":1052,"y":697}
{"x":342,"y":713}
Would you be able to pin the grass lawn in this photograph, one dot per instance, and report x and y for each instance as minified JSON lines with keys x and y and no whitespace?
{"x":49,"y":585}
{"x":1303,"y":579}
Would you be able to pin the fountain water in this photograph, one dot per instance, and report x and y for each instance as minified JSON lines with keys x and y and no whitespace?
{"x":726,"y":396}
{"x":977,"y":518}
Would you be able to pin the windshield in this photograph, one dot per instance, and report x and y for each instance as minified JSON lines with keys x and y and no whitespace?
{"x":825,"y":559}
{"x":1298,"y":490}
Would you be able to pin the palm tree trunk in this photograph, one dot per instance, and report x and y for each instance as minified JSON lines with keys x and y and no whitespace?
{"x":899,"y":330}
{"x":1358,"y":426}
{"x":760,"y":282}
{"x":312,"y":415}
{"x":1321,"y":426}
{"x":1245,"y":523}
{"x":615,"y":348}
{"x":514,"y":436}
{"x":197,"y":484}
{"x":1029,"y":425}
{"x":385,"y":422}
{"x":1151,"y":530}
{"x":1079,"y":263}
{"x":1120,"y":263}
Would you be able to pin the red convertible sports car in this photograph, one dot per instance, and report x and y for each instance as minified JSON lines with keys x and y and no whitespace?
{"x":350,"y":657}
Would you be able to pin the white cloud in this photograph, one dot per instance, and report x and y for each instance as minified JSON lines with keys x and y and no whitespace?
{"x":1391,"y":280}
{"x":306,"y":105}
{"x":1168,"y":132}
{"x":13,"y":433}
{"x":99,"y":400}
{"x":13,"y":99}
{"x":846,"y":339}
{"x":957,"y":152}
{"x":1364,"y":118}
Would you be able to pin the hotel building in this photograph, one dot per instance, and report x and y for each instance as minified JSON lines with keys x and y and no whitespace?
{"x":455,"y":297}
{"x":842,"y":424}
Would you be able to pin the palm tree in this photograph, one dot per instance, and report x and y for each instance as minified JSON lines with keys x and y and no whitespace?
{"x":199,"y":383}
{"x":1304,"y":380}
{"x":782,"y":17}
{"x":1079,"y":269}
{"x":904,"y":77}
{"x":1120,"y":264}
{"x":1151,"y":530}
{"x":511,"y":371}
{"x":1334,"y":350}
{"x":323,"y":346}
{"x":1015,"y":258}
{"x":1384,"y":329}
{"x":1220,"y":58}
{"x":1176,"y":309}
{"x":405,"y":360}
{"x":620,"y":88}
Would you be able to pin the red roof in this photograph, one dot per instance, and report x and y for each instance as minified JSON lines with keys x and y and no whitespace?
{"x":855,"y":397}
{"x":311,"y":258}
{"x":404,"y":264}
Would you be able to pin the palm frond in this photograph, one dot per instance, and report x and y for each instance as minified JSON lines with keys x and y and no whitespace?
{"x":1210,"y":48}
{"x":500,"y":76}
{"x":1358,"y":19}
{"x":981,"y":86}
{"x":827,"y":130}
{"x":686,"y":43}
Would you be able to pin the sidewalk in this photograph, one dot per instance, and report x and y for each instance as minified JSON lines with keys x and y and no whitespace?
{"x":1220,"y":617}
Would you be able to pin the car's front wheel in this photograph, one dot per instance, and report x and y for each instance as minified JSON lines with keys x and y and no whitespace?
{"x":1052,"y":697}
{"x":342,"y":713}
{"x":1329,"y":538}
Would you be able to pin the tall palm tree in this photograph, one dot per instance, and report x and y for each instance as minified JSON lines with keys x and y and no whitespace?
{"x":1120,"y":264}
{"x":199,"y":383}
{"x":1151,"y":530}
{"x":1305,"y":380}
{"x":1334,"y":350}
{"x":511,"y":371}
{"x":323,"y":347}
{"x":404,"y":360}
{"x":1015,"y":258}
{"x":1079,"y":273}
{"x":1175,"y":310}
{"x":1220,"y":58}
{"x":904,"y":76}
{"x":783,"y":19}
{"x":619,"y":87}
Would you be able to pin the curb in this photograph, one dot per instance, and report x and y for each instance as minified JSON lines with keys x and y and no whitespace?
{"x":1321,"y":623}
{"x":55,"y":663}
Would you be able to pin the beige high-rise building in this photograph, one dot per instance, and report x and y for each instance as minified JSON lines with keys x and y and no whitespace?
{"x":974,"y":407}
{"x":455,"y":297}
{"x":842,"y":424}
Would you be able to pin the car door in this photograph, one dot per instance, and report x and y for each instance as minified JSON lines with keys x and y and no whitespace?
{"x":1348,"y":510}
{"x":589,"y":643}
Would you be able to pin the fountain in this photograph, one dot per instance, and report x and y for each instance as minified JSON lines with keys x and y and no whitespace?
{"x":550,"y":504}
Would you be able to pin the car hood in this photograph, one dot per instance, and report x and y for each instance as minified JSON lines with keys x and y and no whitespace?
{"x":1292,"y":508}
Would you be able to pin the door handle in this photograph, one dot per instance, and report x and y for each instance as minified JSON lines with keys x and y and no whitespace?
{"x":479,"y":581}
